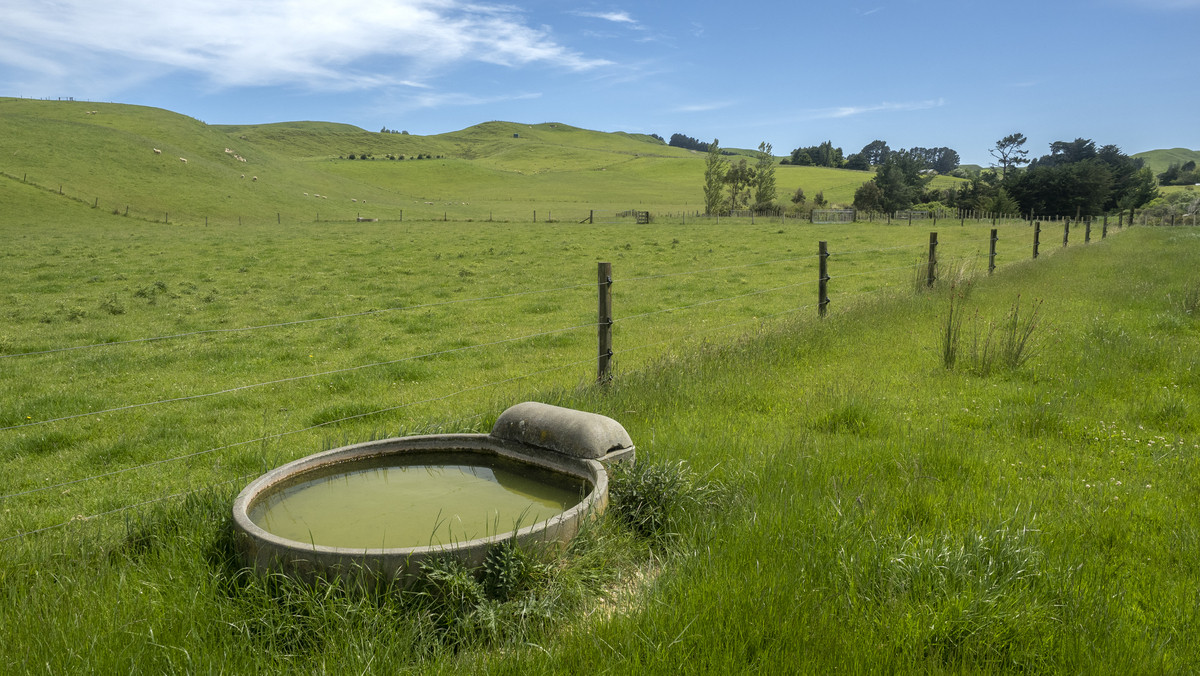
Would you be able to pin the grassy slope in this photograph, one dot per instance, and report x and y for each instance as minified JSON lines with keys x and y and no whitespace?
{"x":1159,"y":160}
{"x":106,"y":158}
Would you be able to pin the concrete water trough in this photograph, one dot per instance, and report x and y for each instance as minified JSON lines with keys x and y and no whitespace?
{"x":377,"y":510}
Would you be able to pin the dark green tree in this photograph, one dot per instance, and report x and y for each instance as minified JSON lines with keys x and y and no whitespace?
{"x":868,"y":197}
{"x":1009,"y":150}
{"x":875,"y":152}
{"x":858,"y":162}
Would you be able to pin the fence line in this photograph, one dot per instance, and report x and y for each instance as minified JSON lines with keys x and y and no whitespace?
{"x":292,"y":379}
{"x":366,"y":313}
{"x":269,"y":437}
{"x":712,"y":329}
{"x":712,"y":301}
{"x":931,"y":262}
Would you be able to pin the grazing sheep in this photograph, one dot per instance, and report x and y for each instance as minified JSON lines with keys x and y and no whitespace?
{"x":255,"y":178}
{"x":353,"y":199}
{"x":243,"y":176}
{"x":183,"y":159}
{"x":306,"y":194}
{"x":156,"y":151}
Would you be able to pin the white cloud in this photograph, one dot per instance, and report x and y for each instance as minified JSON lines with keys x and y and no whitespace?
{"x":848,"y":111}
{"x":322,"y":44}
{"x":703,"y":107}
{"x":615,"y":17}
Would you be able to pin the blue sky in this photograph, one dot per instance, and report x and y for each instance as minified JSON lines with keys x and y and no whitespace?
{"x":911,"y":72}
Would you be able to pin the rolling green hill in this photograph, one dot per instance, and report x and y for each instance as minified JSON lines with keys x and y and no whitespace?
{"x":1159,"y":160}
{"x":157,"y":165}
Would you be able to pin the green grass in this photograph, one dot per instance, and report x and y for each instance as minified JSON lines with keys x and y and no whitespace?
{"x":483,"y":172}
{"x":812,"y":496}
{"x":1159,"y":160}
{"x":887,"y":513}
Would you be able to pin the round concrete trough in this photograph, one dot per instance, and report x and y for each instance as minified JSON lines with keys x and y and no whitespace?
{"x":266,"y":551}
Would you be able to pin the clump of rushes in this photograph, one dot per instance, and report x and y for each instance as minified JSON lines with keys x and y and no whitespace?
{"x":1012,"y":348}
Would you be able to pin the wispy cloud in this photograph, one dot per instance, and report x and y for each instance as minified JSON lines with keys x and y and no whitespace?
{"x":702,"y":107}
{"x":615,"y":17}
{"x":867,"y":12}
{"x":886,"y":106}
{"x":320,"y":44}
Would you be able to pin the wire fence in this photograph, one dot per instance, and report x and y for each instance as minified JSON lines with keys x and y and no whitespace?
{"x":893,"y":267}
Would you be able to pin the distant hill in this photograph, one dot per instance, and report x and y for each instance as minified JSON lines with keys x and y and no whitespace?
{"x":1159,"y":160}
{"x":157,"y":165}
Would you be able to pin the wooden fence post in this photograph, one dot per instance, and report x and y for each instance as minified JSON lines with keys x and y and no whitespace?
{"x":1104,"y":228}
{"x":604,"y":322}
{"x":1066,"y":231}
{"x":992,"y":252}
{"x":931,"y":268}
{"x":1087,"y":230}
{"x":1037,"y":235}
{"x":822,"y":278}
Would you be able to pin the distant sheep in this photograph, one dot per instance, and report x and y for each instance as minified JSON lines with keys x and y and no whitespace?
{"x":156,"y":151}
{"x":183,"y":159}
{"x":254,"y":178}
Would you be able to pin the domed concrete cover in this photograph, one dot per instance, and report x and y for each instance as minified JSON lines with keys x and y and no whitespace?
{"x":570,"y":432}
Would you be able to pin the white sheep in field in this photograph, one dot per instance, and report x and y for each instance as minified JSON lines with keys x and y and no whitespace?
{"x":255,"y":178}
{"x":156,"y":151}
{"x":183,"y":159}
{"x":306,"y":194}
{"x":353,"y":199}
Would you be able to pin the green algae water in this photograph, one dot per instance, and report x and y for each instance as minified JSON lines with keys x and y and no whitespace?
{"x":430,"y":499}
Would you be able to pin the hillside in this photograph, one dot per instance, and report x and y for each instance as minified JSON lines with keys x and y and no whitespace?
{"x":129,"y":160}
{"x":1159,"y":160}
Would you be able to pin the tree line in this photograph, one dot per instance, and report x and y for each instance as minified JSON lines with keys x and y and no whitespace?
{"x":1074,"y":178}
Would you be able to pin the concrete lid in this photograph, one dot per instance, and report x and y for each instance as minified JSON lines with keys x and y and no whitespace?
{"x":576,"y":433}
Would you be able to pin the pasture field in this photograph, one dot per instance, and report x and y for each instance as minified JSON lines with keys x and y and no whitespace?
{"x":813,"y":495}
{"x":879,"y":511}
{"x":103,"y":155}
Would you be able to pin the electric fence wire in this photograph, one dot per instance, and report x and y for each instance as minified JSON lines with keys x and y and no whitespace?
{"x":280,"y":381}
{"x":366,"y":313}
{"x":253,"y":441}
{"x":712,"y":301}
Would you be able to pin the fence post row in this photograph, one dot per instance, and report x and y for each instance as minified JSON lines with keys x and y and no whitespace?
{"x":822,"y":278}
{"x":931,"y":268}
{"x":1066,"y":231}
{"x":992,"y":252}
{"x":1037,"y":235}
{"x":604,"y":322}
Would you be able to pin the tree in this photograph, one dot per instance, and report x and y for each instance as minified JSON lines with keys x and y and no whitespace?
{"x":798,"y":197}
{"x":868,"y":197}
{"x":739,"y":177}
{"x":900,"y":180}
{"x":858,"y":162}
{"x":715,"y":168}
{"x":1010,"y":152}
{"x":681,"y":141}
{"x":764,"y":178}
{"x":875,"y":152}
{"x":945,"y":161}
